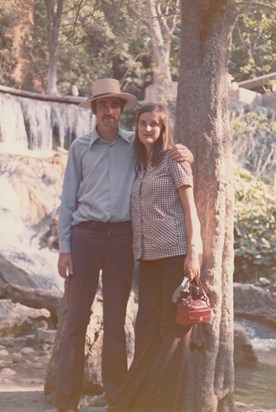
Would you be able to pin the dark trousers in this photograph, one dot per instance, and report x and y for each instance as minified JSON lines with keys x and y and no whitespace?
{"x":155,"y":378}
{"x":107,"y":247}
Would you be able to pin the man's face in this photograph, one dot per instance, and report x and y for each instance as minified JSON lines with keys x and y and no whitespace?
{"x":108,"y":112}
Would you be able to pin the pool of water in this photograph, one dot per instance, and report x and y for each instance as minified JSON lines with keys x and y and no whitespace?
{"x":256,"y":385}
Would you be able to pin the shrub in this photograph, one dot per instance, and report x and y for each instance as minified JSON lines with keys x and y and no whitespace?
{"x":254,"y":230}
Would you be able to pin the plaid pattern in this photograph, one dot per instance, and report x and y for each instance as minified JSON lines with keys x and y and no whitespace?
{"x":157,"y":215}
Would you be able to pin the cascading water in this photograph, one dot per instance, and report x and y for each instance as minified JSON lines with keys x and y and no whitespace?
{"x":33,"y":124}
{"x":30,"y":179}
{"x":255,"y":384}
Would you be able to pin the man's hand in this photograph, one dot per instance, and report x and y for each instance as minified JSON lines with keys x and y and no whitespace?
{"x":181,"y":153}
{"x":65,"y":265}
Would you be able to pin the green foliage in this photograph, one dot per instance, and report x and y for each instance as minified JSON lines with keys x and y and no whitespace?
{"x":255,"y":230}
{"x":110,"y":38}
{"x":9,"y":16}
{"x":107,"y":38}
{"x":253,"y":40}
{"x":254,"y":140}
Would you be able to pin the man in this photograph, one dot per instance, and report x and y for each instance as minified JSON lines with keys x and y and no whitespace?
{"x":95,"y":234}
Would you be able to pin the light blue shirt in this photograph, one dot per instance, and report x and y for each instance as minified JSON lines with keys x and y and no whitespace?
{"x":97,"y":182}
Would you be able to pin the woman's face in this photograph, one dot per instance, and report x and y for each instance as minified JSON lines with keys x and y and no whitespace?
{"x":149,"y":129}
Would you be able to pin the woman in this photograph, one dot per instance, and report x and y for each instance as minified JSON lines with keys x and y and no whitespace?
{"x":167,"y":243}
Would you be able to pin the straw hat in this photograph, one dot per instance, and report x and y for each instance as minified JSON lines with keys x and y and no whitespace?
{"x":109,"y":88}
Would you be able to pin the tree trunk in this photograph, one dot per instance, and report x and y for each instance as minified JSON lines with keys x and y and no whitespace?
{"x":161,"y":31}
{"x":202,"y":123}
{"x":21,"y":26}
{"x":53,"y":27}
{"x":161,"y":43}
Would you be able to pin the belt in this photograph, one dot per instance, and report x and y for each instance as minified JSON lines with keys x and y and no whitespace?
{"x":105,"y":225}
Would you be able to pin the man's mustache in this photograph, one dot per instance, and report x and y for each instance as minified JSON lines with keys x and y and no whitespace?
{"x":107,"y":116}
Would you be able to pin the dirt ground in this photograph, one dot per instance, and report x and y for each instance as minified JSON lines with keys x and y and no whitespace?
{"x":23,"y":371}
{"x":23,"y":367}
{"x":16,"y":400}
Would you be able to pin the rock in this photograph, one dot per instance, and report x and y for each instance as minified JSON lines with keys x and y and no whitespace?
{"x":27,"y":351}
{"x":6,"y":358}
{"x":45,"y":336}
{"x":17,"y":285}
{"x":47,"y":347}
{"x":50,"y":237}
{"x":16,"y":318}
{"x":241,"y":407}
{"x":4,"y":354}
{"x":38,"y":365}
{"x":11,"y":274}
{"x":17,"y":357}
{"x":6,"y":373}
{"x":244,"y":353}
{"x":253,"y":302}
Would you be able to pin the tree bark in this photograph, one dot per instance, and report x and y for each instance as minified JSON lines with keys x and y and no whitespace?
{"x":202,"y":123}
{"x":53,"y":27}
{"x":161,"y":42}
{"x":161,"y":32}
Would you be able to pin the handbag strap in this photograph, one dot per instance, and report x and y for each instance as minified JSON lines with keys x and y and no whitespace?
{"x":198,"y":284}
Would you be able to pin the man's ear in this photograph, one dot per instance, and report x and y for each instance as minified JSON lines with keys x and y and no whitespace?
{"x":93,"y":107}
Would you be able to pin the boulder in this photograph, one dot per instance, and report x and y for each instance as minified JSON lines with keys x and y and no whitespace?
{"x":45,"y":336}
{"x":17,"y":319}
{"x":244,"y":353}
{"x":17,"y":285}
{"x":255,"y":303}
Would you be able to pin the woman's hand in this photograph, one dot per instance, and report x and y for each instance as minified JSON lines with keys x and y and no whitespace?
{"x":192,"y":264}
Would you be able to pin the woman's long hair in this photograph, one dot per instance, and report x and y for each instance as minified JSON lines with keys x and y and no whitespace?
{"x":162,"y":143}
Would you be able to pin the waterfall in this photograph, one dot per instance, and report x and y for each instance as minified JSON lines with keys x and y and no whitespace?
{"x":31,"y":174}
{"x":28,"y":124}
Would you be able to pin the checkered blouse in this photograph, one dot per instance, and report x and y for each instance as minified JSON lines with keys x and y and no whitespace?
{"x":157,"y":215}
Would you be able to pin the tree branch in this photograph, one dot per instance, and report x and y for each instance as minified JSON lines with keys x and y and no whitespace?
{"x":257,"y":3}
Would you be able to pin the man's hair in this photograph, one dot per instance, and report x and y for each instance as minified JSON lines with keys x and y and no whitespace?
{"x":161,"y":144}
{"x":93,"y":104}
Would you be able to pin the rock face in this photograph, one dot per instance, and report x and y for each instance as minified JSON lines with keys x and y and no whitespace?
{"x":253,"y":302}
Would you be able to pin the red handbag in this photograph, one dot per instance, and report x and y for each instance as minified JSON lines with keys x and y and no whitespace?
{"x":193,"y":307}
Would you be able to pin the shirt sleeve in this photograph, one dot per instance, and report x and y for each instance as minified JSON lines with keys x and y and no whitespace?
{"x":71,"y":182}
{"x":181,"y":173}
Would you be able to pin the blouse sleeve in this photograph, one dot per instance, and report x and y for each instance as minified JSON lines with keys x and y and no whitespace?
{"x":181,"y":173}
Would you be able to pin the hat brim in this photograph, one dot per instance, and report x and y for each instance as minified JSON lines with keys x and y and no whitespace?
{"x":130,"y":99}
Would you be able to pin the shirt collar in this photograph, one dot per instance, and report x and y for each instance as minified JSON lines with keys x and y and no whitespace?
{"x":121,"y":133}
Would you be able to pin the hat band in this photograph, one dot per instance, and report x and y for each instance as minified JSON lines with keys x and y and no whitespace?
{"x":103,"y":94}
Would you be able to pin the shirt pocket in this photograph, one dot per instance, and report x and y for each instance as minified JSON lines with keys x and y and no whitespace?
{"x":163,"y":231}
